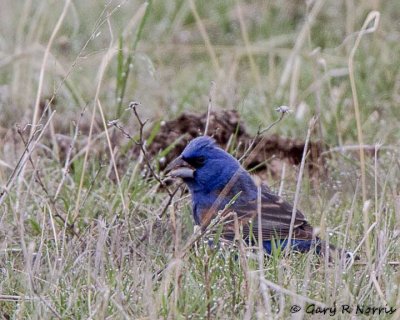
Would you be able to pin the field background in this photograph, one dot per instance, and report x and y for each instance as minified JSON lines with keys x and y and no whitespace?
{"x":71,"y":228}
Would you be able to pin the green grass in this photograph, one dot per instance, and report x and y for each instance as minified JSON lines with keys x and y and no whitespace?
{"x":70,"y":241}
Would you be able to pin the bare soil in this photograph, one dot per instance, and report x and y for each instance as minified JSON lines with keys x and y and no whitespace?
{"x":228,"y":130}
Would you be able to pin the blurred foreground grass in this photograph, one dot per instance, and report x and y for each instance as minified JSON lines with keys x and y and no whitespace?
{"x":70,"y":239}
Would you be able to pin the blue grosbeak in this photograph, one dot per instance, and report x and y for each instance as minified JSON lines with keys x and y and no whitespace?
{"x":214,"y":178}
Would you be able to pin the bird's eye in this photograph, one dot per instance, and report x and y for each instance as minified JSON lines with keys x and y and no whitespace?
{"x":196,"y":162}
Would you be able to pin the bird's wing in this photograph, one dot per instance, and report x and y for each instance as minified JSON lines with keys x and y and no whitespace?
{"x":276,"y":215}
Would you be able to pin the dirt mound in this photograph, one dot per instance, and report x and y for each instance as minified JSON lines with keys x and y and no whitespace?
{"x":229,"y":131}
{"x":226,"y":127}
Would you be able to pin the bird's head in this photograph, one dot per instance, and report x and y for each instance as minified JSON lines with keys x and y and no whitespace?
{"x":203,"y":165}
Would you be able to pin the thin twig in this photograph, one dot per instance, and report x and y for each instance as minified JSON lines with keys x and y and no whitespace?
{"x":141,"y":142}
{"x":283,"y":111}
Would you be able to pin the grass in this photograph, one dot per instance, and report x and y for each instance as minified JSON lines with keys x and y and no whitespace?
{"x":74,"y":206}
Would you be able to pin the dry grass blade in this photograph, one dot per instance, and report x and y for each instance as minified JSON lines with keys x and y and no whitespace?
{"x":245,"y":35}
{"x":68,"y":157}
{"x":112,"y":49}
{"x":209,"y":107}
{"x":86,"y":216}
{"x":298,"y":186}
{"x":374,"y":17}
{"x":205,"y":37}
{"x":278,"y":288}
{"x":263,"y":288}
{"x":29,"y":148}
{"x":44,"y":63}
{"x":114,"y":164}
{"x":300,"y":40}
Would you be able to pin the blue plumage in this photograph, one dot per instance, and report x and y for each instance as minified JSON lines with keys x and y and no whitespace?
{"x":297,"y":245}
{"x":214,"y":177}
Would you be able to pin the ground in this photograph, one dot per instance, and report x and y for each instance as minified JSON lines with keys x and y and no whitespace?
{"x":86,"y":229}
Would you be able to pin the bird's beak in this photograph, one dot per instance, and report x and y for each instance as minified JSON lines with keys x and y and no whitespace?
{"x":179,"y":168}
